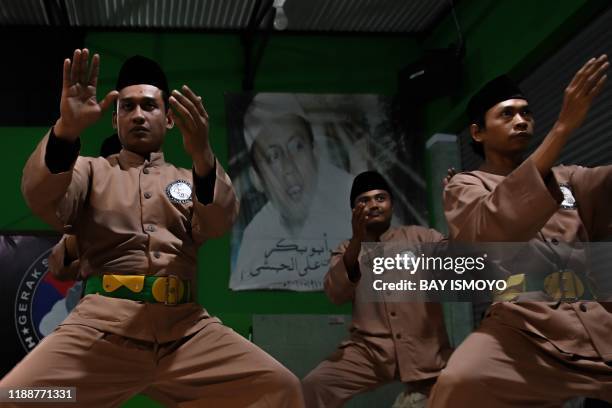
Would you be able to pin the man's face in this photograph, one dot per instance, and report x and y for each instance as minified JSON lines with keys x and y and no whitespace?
{"x":508,"y":127}
{"x":287,"y":166}
{"x":378,"y":206}
{"x":141,"y":119}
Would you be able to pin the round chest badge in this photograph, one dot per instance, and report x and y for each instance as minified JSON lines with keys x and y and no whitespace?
{"x":179,"y":191}
{"x":569,"y":202}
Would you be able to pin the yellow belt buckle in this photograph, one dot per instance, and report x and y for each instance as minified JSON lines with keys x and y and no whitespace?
{"x":135,"y":283}
{"x":168,"y":289}
{"x":515,"y":285}
{"x":564,"y":285}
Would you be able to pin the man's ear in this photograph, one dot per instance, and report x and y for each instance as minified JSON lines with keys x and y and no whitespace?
{"x":169,"y":119}
{"x":114,"y":119}
{"x":476,"y":132}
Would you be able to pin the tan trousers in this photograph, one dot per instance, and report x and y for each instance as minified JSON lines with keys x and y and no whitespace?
{"x":349,"y":371}
{"x":500,"y":366}
{"x":213,"y":367}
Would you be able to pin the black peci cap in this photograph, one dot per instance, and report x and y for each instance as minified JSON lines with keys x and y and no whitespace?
{"x":495,"y":91}
{"x":139,"y":70}
{"x":367,"y":181}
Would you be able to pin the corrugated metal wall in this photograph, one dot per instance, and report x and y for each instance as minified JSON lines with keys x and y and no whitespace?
{"x":369,"y":16}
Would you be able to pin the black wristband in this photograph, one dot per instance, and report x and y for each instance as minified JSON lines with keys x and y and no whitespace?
{"x":205,"y":186}
{"x":60,"y":154}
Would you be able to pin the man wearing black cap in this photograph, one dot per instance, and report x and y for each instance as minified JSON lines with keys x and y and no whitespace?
{"x":139,"y":222}
{"x":389,"y":340}
{"x":544,"y":344}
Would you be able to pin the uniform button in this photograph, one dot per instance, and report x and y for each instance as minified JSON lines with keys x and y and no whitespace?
{"x":157,"y":254}
{"x":145,"y":170}
{"x":398,"y":336}
{"x":583,"y":307}
{"x":150,"y":228}
{"x":555,"y":241}
{"x":392,"y":314}
{"x":147,"y":195}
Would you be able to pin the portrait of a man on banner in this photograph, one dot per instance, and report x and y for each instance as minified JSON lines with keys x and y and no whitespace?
{"x":292,"y":159}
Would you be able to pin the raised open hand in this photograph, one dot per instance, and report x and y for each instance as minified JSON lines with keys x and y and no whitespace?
{"x":79,"y":107}
{"x":192,"y":121}
{"x":359,"y":223}
{"x":579,"y":94}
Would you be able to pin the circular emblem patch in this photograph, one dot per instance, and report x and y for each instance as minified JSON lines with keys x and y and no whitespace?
{"x":569,"y":202}
{"x":179,"y":191}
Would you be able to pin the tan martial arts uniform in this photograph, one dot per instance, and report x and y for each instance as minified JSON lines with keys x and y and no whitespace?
{"x":389,"y":340}
{"x":120,"y":210}
{"x":531,"y":353}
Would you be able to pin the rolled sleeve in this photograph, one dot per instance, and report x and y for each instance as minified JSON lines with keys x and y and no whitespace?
{"x":593,"y":190}
{"x":515,"y":210}
{"x":217,"y":212}
{"x":45,"y":191}
{"x":338,"y":287}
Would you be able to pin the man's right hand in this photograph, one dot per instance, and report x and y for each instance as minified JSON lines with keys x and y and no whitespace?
{"x":351,"y":255}
{"x":450,"y":173}
{"x":359,"y":222}
{"x":79,"y":107}
{"x":579,"y":94}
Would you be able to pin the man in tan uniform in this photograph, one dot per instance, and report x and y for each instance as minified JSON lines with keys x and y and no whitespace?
{"x":139,"y":222}
{"x":545,"y":346}
{"x":389,"y":340}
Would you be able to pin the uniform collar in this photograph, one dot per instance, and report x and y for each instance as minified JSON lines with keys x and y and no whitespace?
{"x":387,"y":235}
{"x":131,"y":159}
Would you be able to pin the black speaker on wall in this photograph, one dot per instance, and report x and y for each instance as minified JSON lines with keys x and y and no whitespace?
{"x":437,"y":73}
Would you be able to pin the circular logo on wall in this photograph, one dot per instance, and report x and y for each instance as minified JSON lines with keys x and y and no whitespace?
{"x":42,"y":302}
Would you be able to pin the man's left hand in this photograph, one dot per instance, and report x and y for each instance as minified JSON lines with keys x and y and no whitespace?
{"x":192,"y":121}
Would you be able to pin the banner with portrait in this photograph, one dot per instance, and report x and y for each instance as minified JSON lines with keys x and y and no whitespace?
{"x":293,"y":158}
